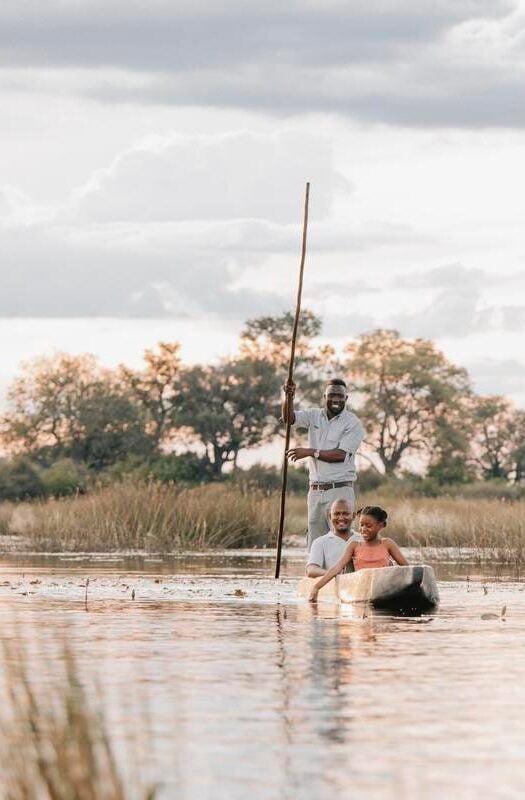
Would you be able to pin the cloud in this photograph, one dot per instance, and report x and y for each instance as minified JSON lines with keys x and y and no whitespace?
{"x":214,"y":177}
{"x":54,"y":272}
{"x":499,"y":376}
{"x":454,"y":313}
{"x":418,"y":64}
{"x":453,"y":275}
{"x":169,"y":36}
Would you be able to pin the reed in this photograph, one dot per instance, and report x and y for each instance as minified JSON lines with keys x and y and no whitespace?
{"x":157,"y":517}
{"x":53,"y":745}
{"x":485,"y":530}
{"x":149,"y":516}
{"x":488,"y":529}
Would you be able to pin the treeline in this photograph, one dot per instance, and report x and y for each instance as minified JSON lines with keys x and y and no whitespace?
{"x":71,"y":422}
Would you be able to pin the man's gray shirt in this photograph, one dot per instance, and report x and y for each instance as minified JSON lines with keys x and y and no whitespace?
{"x":342,"y":432}
{"x":327,"y":550}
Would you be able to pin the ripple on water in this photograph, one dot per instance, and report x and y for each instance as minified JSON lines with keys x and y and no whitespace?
{"x":231,"y":692}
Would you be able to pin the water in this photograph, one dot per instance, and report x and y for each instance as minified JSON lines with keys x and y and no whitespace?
{"x":217,"y":683}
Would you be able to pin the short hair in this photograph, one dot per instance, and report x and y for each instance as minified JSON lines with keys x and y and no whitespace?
{"x":378,"y":513}
{"x":336,"y":382}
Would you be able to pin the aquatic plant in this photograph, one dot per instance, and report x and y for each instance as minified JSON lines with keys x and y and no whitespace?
{"x":159,"y":517}
{"x":150,"y":516}
{"x":53,"y":745}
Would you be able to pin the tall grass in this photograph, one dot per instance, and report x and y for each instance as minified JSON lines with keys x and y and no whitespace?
{"x":149,"y":516}
{"x":483,"y":529}
{"x":489,"y":528}
{"x":160,"y":518}
{"x":53,"y":746}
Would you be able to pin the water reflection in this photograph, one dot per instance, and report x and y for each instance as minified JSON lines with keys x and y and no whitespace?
{"x":221,"y":694}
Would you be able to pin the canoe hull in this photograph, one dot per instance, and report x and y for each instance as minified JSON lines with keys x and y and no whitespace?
{"x":404,"y":588}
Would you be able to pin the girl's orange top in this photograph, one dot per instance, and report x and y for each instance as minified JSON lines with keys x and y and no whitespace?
{"x":371,"y":556}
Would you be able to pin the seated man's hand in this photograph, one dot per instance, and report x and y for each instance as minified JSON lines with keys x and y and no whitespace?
{"x":297,"y":453}
{"x":289,"y":388}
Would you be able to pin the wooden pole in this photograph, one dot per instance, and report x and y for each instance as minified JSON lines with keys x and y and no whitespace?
{"x":290,"y":378}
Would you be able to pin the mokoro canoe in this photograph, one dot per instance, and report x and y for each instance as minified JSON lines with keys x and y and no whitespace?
{"x":405,"y":588}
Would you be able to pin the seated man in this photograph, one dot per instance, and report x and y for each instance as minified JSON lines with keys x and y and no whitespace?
{"x":327,"y":550}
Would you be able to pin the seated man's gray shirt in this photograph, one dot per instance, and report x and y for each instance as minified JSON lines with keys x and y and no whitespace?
{"x":342,"y":432}
{"x":327,"y":550}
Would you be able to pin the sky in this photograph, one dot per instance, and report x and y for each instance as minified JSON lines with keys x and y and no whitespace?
{"x":153,"y":159}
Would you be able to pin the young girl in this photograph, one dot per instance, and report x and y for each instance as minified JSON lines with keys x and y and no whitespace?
{"x":375,"y":551}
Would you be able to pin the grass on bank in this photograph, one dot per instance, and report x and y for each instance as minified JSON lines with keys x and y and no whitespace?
{"x":487,"y":529}
{"x":53,"y":745}
{"x":163,"y":518}
{"x":146,"y":516}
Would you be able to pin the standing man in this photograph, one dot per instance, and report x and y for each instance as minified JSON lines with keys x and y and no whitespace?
{"x":334,"y":435}
{"x":328,"y":549}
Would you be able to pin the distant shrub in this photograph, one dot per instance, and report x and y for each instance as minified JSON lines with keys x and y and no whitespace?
{"x":183,"y":468}
{"x":368,"y":480}
{"x":496,"y":489}
{"x":64,"y":477}
{"x":268,"y":479}
{"x":20,"y":479}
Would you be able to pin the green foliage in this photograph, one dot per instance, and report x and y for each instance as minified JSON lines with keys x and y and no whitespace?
{"x":451,"y":471}
{"x":495,"y":489}
{"x":20,"y":479}
{"x":410,"y":394}
{"x":156,"y":389}
{"x":228,"y":407}
{"x":183,"y":468}
{"x":368,"y":480}
{"x":498,"y":436}
{"x":71,"y":423}
{"x":69,"y":407}
{"x":269,"y":339}
{"x":65,"y":477}
{"x":110,"y":428}
{"x":268,"y":479}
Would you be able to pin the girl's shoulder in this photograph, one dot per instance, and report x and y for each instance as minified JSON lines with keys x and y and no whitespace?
{"x":386,"y":540}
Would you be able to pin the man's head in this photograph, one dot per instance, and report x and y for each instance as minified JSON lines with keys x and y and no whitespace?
{"x":341,"y":516}
{"x":335,"y":396}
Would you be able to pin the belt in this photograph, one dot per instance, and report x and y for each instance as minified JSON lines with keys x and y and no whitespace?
{"x":325,"y":486}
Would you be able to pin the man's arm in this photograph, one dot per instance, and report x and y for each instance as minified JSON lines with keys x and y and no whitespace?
{"x":314,"y":568}
{"x":313,"y":571}
{"x":352,"y":438}
{"x":287,"y":411}
{"x":330,"y":456}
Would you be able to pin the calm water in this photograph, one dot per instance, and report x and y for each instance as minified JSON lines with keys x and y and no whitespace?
{"x":217,"y":683}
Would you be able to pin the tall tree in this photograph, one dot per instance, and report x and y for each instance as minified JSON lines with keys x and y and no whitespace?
{"x":69,"y":406}
{"x":409,"y":394}
{"x":269,"y":338}
{"x":228,"y":407}
{"x":156,"y":389}
{"x":517,"y":449}
{"x":493,"y":440}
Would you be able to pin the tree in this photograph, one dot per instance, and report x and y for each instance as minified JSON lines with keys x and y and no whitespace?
{"x":109,"y":427}
{"x":44,"y":399}
{"x":410,"y":394}
{"x":494,"y":440}
{"x":448,"y":459}
{"x":229,"y":407}
{"x":70,"y":407}
{"x":517,"y":449}
{"x":269,"y":339}
{"x":156,"y":389}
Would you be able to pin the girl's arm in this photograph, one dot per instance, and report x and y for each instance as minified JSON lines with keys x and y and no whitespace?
{"x":332,"y":572}
{"x":396,"y":553}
